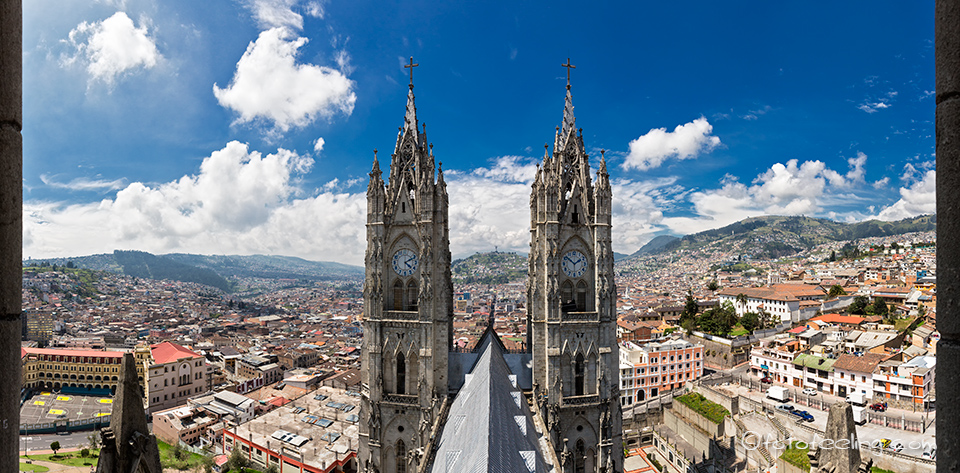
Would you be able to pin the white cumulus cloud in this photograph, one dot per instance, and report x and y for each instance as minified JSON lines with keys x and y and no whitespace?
{"x":919,"y":198}
{"x":112,"y":47}
{"x":270,"y":85}
{"x":83,"y":183}
{"x":240,"y":202}
{"x":686,"y":141}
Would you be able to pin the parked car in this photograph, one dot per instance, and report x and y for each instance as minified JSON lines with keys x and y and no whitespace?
{"x":930,"y":452}
{"x":785,"y":407}
{"x":766,"y":379}
{"x":880,"y":443}
{"x":803,"y":415}
{"x":810,"y":392}
{"x":879,"y":406}
{"x":896,"y":446}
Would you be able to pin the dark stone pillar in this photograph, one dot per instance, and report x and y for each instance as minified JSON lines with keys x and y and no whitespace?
{"x":11,"y":210}
{"x":947,"y":44}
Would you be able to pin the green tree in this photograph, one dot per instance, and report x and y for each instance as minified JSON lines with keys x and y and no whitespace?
{"x":94,"y":440}
{"x":879,"y":307}
{"x":84,"y":452}
{"x":55,"y":446}
{"x":688,"y":318}
{"x":833,"y":255}
{"x":859,"y":305}
{"x":742,"y":300}
{"x":272,"y":469}
{"x":750,"y":321}
{"x":712,"y":285}
{"x":237,"y":462}
{"x":835,"y":291}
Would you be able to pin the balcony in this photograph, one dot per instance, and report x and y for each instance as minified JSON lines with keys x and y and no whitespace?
{"x":581,"y":400}
{"x":404,"y":399}
{"x":581,"y":316}
{"x":401,"y":315}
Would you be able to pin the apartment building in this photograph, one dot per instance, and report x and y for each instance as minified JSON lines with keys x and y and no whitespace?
{"x":908,"y":382}
{"x":854,"y":374}
{"x":648,"y":369}
{"x":774,"y":360}
{"x":252,"y":367}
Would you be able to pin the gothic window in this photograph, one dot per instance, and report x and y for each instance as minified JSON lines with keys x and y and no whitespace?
{"x":401,"y":457}
{"x":576,"y":214}
{"x":567,"y":303}
{"x":411,"y":301}
{"x":401,"y":374}
{"x":398,"y":295}
{"x":579,"y":457}
{"x":403,"y":207}
{"x":578,"y":375}
{"x":582,"y":296}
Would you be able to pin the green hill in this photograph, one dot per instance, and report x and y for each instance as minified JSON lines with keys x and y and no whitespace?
{"x":773,"y":237}
{"x":489,"y":268}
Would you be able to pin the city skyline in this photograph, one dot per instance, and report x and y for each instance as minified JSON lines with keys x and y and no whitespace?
{"x":249,"y":127}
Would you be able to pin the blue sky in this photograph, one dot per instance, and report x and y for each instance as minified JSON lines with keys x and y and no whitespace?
{"x":248,"y":127}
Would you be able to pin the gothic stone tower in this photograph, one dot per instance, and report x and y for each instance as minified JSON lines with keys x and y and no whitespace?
{"x":408,"y":304}
{"x":572,"y":305}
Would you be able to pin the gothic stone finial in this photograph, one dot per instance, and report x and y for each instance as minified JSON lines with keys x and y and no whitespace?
{"x":412,"y":65}
{"x":567,"y":65}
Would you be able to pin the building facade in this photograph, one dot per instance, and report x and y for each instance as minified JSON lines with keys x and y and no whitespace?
{"x":572,"y":317}
{"x":173,"y":375}
{"x":649,"y":369}
{"x":408,"y":304}
{"x":78,"y":371}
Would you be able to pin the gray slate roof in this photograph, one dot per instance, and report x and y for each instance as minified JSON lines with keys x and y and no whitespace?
{"x":489,"y":427}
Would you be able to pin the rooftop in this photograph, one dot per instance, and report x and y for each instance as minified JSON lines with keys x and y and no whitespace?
{"x":326,"y":418}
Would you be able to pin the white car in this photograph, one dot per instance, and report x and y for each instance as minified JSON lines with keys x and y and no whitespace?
{"x":810,"y":392}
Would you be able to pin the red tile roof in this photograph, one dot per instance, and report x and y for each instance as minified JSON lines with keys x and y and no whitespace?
{"x":70,"y":352}
{"x":167,"y":352}
{"x":839,"y":319}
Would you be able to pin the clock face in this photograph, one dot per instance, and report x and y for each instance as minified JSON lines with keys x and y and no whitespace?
{"x":404,"y":262}
{"x":574,"y":264}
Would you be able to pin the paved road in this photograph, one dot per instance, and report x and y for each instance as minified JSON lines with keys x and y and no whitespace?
{"x":913,"y":441}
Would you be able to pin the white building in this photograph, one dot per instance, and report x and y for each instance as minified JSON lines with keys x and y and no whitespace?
{"x":854,"y":374}
{"x":174,"y":374}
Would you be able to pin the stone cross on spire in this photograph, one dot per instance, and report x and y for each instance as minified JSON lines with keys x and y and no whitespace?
{"x":412,"y":65}
{"x":567,"y":65}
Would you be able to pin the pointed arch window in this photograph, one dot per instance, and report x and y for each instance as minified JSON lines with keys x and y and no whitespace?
{"x":398,"y":295}
{"x":579,"y":458}
{"x":582,"y":296}
{"x":411,"y":300}
{"x":575,"y":217}
{"x":578,"y":370}
{"x":401,"y":374}
{"x":567,"y":303}
{"x":401,"y":457}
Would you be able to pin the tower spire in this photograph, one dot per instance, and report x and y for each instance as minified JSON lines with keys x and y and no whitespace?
{"x":568,"y":119}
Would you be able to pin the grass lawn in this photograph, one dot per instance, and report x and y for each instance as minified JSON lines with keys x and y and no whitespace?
{"x":738,"y":331}
{"x":902,"y":324}
{"x":798,"y":457}
{"x":712,"y":411}
{"x":167,"y":460}
{"x":879,"y":470}
{"x":67,"y":458}
{"x":29,"y":467}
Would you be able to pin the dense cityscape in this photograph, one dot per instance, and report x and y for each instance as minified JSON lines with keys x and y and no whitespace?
{"x":216,"y":368}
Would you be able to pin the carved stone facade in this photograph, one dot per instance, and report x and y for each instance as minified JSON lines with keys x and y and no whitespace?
{"x":572,"y":305}
{"x":408,"y":305}
{"x":409,"y":375}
